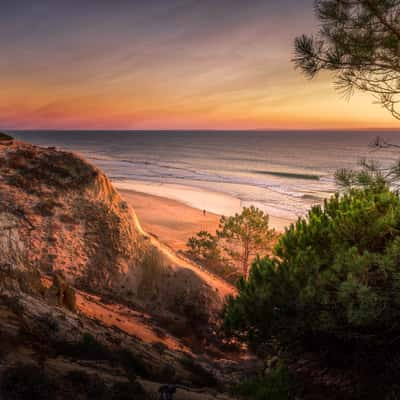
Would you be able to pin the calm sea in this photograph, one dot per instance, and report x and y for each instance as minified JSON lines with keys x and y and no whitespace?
{"x":281,"y":172}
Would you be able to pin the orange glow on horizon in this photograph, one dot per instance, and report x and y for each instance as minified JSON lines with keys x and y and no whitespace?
{"x":172,"y":70}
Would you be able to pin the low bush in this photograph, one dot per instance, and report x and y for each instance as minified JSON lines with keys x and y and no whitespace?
{"x":278,"y":384}
{"x":63,"y":171}
{"x":5,"y":137}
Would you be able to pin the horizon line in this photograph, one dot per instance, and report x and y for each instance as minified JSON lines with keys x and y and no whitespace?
{"x":370,"y":129}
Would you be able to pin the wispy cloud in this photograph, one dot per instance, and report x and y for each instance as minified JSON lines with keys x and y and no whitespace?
{"x":163,"y":64}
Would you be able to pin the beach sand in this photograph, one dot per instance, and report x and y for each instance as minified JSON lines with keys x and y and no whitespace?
{"x":169,"y":220}
{"x":173,"y":222}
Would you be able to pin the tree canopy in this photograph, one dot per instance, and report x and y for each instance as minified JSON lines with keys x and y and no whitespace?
{"x":359,"y":42}
{"x":245,"y":235}
{"x":237,"y":241}
{"x":333,"y":286}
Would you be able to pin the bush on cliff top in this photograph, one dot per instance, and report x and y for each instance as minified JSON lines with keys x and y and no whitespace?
{"x":31,"y":166}
{"x":4,"y":136}
{"x":333,"y":286}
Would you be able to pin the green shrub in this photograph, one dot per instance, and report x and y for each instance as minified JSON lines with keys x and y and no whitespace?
{"x":5,"y":137}
{"x":204,"y":247}
{"x":237,"y":242}
{"x":333,"y":285}
{"x":278,"y":384}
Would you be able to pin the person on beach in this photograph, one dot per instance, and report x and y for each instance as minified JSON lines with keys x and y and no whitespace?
{"x":204,"y":213}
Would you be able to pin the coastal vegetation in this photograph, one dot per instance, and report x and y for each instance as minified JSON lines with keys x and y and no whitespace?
{"x":124,"y":314}
{"x":358,"y":42}
{"x":279,"y":384}
{"x":235,"y":244}
{"x":330,"y":292}
{"x":245,"y":235}
{"x":332,"y":288}
{"x":5,"y":137}
{"x":204,"y":249}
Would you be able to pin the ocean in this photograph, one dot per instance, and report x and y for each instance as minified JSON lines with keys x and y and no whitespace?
{"x":282,"y":172}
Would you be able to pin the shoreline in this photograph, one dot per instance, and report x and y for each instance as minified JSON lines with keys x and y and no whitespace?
{"x":201,"y":199}
{"x":172,"y":221}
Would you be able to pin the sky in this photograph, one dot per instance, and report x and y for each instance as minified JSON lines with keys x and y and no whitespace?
{"x":166,"y":64}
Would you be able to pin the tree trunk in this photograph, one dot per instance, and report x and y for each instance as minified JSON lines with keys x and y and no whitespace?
{"x":246,"y":261}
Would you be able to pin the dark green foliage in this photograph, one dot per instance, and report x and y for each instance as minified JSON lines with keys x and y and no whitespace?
{"x":240,"y":237}
{"x":278,"y":384}
{"x":333,"y":287}
{"x":204,"y":248}
{"x":359,"y":42}
{"x":5,"y":137}
{"x":370,"y":174}
{"x":245,"y":235}
{"x":26,"y":382}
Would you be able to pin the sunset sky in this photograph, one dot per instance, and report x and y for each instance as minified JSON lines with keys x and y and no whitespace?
{"x":165,"y":64}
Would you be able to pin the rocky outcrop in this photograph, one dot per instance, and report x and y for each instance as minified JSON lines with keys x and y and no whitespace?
{"x":61,"y":293}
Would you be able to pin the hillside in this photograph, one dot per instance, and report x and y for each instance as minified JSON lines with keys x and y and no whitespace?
{"x":81,"y":282}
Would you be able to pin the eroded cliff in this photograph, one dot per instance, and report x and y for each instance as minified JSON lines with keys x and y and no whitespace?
{"x":86,"y":295}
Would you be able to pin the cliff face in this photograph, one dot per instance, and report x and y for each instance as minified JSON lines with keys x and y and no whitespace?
{"x":89,"y":299}
{"x":59,"y":213}
{"x":64,"y":215}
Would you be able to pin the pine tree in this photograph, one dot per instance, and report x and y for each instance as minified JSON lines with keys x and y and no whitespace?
{"x":359,"y":42}
{"x":245,"y":235}
{"x":332,"y":286}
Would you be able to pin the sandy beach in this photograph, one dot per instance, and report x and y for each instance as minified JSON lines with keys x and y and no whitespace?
{"x":172,"y":221}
